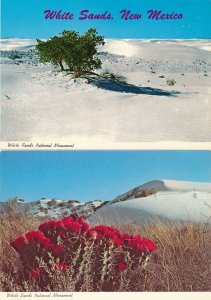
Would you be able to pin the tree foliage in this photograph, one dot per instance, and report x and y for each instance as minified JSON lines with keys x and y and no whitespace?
{"x":77,"y":52}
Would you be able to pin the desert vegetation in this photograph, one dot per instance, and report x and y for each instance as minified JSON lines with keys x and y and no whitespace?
{"x":39,"y":254}
{"x":136,"y":193}
{"x":77,"y":52}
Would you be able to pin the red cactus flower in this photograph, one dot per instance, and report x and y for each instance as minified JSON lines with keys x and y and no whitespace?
{"x":151,"y":246}
{"x":142,"y":244}
{"x":35,"y":273}
{"x":66,"y":220}
{"x":63,"y":237}
{"x":61,"y":233}
{"x":121,"y":267}
{"x":72,"y":226}
{"x":126,"y":237}
{"x":117,"y":242}
{"x":58,"y":249}
{"x":49,"y":228}
{"x":89,"y":233}
{"x":38,"y":238}
{"x":106,"y":232}
{"x":35,"y":236}
{"x":19,"y":243}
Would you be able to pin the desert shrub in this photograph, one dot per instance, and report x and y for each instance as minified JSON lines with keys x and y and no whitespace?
{"x":51,"y":51}
{"x":78,"y":52}
{"x":170,"y":82}
{"x":113,"y":77}
{"x":136,"y":193}
{"x":68,"y":255}
{"x":144,"y":193}
{"x":15,"y":55}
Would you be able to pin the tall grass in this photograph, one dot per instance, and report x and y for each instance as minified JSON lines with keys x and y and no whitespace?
{"x":183,"y":259}
{"x":12,"y":225}
{"x":181,"y":263}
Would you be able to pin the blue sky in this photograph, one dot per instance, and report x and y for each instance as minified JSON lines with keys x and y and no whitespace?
{"x":25,"y":18}
{"x":89,"y":175}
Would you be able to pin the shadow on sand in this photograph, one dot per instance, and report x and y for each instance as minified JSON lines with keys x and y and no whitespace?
{"x":124,"y":87}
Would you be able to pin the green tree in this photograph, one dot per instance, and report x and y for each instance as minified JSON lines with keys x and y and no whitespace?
{"x":51,"y":51}
{"x":78,"y":52}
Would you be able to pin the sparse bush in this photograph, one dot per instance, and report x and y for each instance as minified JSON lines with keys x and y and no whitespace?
{"x":136,"y":193}
{"x":144,"y":193}
{"x":170,"y":82}
{"x":114,"y":77}
{"x":14,"y":56}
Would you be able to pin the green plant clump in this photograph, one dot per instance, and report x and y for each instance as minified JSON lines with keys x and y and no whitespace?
{"x":77,"y":52}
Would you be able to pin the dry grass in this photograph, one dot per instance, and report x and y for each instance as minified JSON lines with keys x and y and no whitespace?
{"x":183,"y":259}
{"x":181,"y":263}
{"x":13,"y":225}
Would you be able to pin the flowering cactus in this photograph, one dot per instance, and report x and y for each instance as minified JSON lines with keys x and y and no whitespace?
{"x":70,"y":246}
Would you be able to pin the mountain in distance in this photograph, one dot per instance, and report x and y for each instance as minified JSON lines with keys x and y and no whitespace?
{"x":54,"y":208}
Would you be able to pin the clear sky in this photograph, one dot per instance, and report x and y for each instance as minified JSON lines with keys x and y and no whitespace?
{"x":25,"y":18}
{"x":89,"y":175}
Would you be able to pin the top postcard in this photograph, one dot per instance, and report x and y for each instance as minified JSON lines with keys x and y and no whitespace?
{"x":113,"y":71}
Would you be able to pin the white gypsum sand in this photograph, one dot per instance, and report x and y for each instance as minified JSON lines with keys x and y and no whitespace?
{"x":40,"y":103}
{"x":173,"y":201}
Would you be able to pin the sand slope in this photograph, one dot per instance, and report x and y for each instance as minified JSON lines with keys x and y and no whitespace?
{"x":39,"y":102}
{"x":174,"y":200}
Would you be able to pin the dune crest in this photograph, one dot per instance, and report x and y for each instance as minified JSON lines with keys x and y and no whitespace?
{"x":172,"y":201}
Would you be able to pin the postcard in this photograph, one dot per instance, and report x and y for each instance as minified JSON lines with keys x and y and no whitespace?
{"x":112,"y":72}
{"x":103,"y":222}
{"x":105,"y":149}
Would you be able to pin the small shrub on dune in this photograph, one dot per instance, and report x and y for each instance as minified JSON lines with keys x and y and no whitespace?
{"x":68,"y":255}
{"x":171,"y":82}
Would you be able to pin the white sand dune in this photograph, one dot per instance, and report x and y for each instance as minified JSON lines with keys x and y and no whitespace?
{"x":17,"y":44}
{"x":174,"y":200}
{"x":39,"y":102}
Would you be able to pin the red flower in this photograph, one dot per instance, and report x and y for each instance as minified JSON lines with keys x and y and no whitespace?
{"x":151,"y":246}
{"x":49,"y":228}
{"x":72,"y":226}
{"x":35,"y":236}
{"x":117,"y":242}
{"x":90,"y":234}
{"x":126,"y":237}
{"x":121,"y":267}
{"x":141,"y":244}
{"x":38,"y":238}
{"x":19,"y":243}
{"x":35,"y":273}
{"x":63,"y":237}
{"x":108,"y":233}
{"x":58,"y":249}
